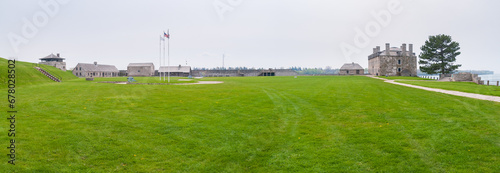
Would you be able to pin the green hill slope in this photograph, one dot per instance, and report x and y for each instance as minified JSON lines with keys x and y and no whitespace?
{"x":27,"y":75}
{"x":63,"y":75}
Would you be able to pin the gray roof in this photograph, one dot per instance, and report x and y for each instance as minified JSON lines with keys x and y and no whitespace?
{"x":395,"y":51}
{"x":98,"y":67}
{"x":141,"y":64}
{"x":182,"y":69}
{"x":51,"y":56}
{"x":351,"y":66}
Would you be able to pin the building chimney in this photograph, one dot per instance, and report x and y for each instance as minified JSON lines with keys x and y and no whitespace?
{"x":403,"y":48}
{"x":410,"y":48}
{"x":58,"y":55}
{"x":95,"y":62}
{"x":387,"y":48}
{"x":378,"y":49}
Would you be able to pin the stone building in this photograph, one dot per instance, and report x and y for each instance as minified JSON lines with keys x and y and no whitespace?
{"x":466,"y":77}
{"x":176,"y":71}
{"x":351,"y":69}
{"x":393,"y":61}
{"x":141,"y":69}
{"x":95,"y":70}
{"x":54,"y":60}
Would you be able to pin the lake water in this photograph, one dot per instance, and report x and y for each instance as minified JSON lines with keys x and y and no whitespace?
{"x":491,"y":77}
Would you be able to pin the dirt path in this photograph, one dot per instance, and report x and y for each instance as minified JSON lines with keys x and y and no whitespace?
{"x":456,"y":93}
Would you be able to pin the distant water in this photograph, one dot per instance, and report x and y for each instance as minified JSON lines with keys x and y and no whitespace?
{"x":490,"y":77}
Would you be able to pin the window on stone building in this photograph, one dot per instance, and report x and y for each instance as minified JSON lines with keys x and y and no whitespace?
{"x":399,"y":61}
{"x":399,"y":69}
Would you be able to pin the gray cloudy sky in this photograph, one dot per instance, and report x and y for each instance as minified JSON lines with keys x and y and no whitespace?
{"x":252,"y":33}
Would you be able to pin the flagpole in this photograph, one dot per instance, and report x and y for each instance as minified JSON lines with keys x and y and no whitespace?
{"x":164,"y":58}
{"x":159,"y":65}
{"x":168,"y":55}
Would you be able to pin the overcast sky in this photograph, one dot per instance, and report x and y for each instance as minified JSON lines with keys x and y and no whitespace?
{"x":252,"y":33}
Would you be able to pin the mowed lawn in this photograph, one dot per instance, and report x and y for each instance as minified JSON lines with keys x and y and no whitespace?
{"x":469,"y":87}
{"x":251,"y":124}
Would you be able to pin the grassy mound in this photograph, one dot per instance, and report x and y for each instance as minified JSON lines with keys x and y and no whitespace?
{"x":63,"y":75}
{"x":27,"y":75}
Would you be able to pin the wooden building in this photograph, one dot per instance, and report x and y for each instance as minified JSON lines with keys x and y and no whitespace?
{"x":54,"y":60}
{"x":177,"y":71}
{"x":95,"y":70}
{"x":351,"y":69}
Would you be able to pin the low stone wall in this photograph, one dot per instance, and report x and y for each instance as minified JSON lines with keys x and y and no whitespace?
{"x":59,"y":65}
{"x":467,"y":77}
{"x":441,"y":76}
{"x":476,"y":79}
{"x":242,"y":73}
{"x":286,"y":73}
{"x":461,"y":77}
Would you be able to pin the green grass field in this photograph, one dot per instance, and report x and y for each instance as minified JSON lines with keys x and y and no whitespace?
{"x":469,"y":87}
{"x":250,"y":124}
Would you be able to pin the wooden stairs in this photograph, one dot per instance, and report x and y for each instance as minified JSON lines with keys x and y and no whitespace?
{"x":47,"y":74}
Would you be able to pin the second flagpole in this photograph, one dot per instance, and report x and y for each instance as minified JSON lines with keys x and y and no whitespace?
{"x":159,"y":65}
{"x":168,"y":55}
{"x":164,"y":58}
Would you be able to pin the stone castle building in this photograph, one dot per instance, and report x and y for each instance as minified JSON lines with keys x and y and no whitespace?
{"x":393,"y":61}
{"x":54,"y":60}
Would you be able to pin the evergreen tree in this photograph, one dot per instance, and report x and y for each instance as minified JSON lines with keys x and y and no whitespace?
{"x":438,"y":55}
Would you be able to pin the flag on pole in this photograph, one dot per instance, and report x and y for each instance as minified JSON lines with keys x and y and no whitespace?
{"x":167,"y":34}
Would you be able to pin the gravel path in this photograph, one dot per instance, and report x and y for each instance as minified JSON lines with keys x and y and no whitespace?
{"x":457,"y":93}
